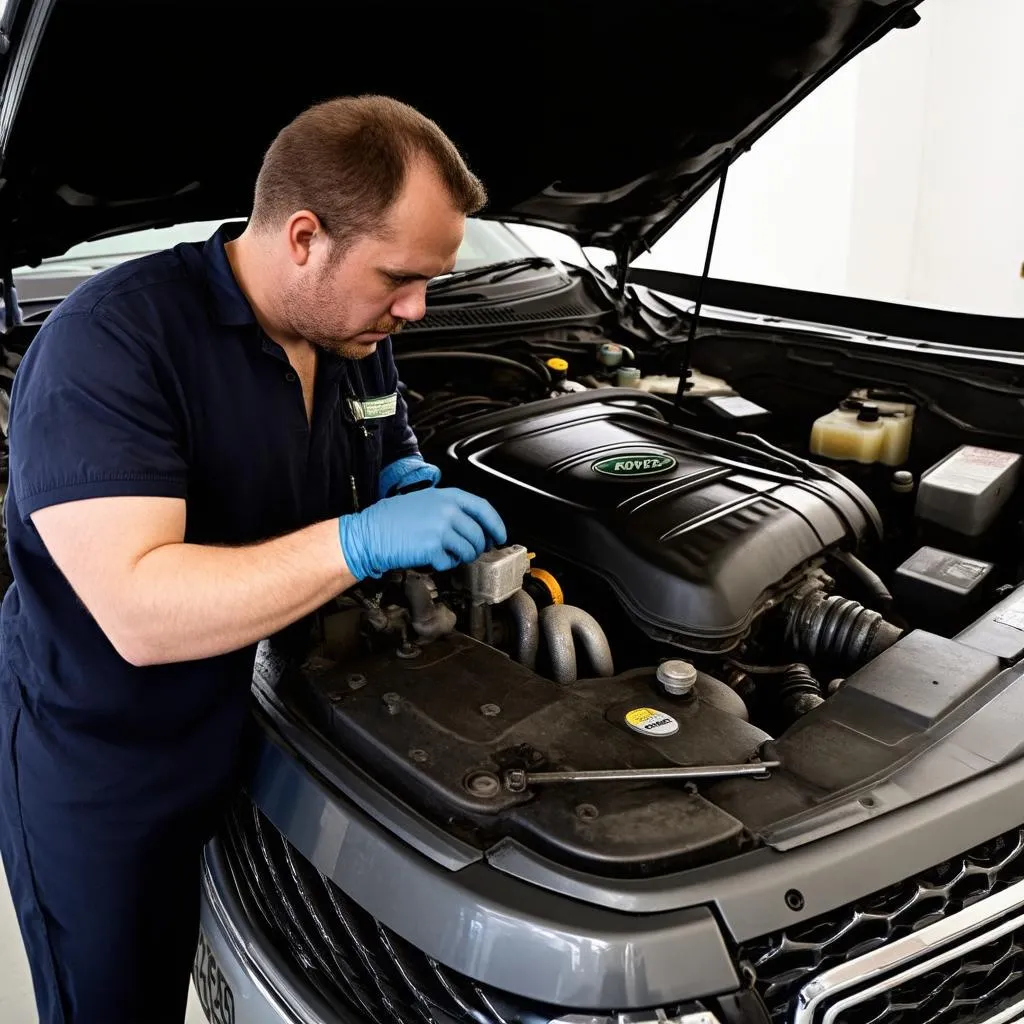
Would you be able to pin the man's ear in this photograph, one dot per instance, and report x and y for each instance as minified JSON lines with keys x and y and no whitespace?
{"x":302,"y":230}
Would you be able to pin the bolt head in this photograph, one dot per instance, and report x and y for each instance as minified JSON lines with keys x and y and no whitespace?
{"x":795,"y":899}
{"x":484,"y":784}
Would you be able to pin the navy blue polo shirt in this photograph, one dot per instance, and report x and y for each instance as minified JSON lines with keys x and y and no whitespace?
{"x":154,"y":378}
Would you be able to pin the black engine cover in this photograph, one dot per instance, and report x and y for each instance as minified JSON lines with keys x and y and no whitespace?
{"x":693,"y":533}
{"x":427,"y":726}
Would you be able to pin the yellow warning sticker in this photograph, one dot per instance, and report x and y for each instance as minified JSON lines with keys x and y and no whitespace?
{"x":651,"y":722}
{"x":640,"y":715}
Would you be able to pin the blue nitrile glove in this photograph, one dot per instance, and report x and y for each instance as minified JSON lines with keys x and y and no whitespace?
{"x":441,"y":527}
{"x":408,"y":472}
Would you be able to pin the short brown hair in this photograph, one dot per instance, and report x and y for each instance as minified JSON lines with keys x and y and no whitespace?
{"x":345,"y":160}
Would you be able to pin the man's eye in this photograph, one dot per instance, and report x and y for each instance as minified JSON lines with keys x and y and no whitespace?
{"x":396,"y":279}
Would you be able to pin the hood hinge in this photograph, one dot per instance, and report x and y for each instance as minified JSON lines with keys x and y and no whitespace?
{"x":623,"y":258}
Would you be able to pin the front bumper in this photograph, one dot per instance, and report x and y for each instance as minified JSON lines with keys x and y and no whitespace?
{"x":944,"y":948}
{"x":313,"y":866}
{"x":239,"y":977}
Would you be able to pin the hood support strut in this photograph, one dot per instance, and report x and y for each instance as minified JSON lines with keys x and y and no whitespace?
{"x":684,"y":370}
{"x":9,"y":302}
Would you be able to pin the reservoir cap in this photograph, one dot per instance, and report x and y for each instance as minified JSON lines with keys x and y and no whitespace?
{"x":678,"y":677}
{"x":902,"y":481}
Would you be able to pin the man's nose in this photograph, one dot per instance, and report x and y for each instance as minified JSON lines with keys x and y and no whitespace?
{"x":411,"y":305}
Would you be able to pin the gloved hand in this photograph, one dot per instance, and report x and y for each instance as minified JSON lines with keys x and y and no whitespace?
{"x":441,"y":527}
{"x":404,"y":473}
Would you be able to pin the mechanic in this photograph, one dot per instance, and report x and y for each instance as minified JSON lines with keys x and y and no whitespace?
{"x":207,"y":445}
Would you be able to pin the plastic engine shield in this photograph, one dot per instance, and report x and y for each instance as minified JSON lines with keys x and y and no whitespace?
{"x":460,"y":711}
{"x":691,"y":532}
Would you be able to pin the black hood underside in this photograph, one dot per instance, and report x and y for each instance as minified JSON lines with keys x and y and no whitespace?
{"x":605,"y":123}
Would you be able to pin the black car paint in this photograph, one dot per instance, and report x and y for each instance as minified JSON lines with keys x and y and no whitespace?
{"x":690,"y":86}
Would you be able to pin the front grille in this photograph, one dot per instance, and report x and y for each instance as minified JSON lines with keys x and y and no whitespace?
{"x":351,"y":959}
{"x":972,"y":987}
{"x":967,"y":989}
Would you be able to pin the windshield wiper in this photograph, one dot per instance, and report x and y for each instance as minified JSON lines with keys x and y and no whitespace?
{"x":495,"y":271}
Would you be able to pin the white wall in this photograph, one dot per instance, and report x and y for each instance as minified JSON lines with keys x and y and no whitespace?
{"x":969,"y":230}
{"x":786,"y":210}
{"x":889,"y":131}
{"x":901,"y":178}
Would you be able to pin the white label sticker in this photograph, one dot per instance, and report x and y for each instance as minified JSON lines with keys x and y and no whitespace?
{"x":988,"y":457}
{"x":374,"y":408}
{"x":1013,"y":615}
{"x":973,"y":469}
{"x":966,"y":570}
{"x":650,"y":722}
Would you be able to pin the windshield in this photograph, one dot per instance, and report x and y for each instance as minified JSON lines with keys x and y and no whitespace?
{"x":484,"y":242}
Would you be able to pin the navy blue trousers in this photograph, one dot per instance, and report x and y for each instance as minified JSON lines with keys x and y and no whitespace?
{"x":107,"y":898}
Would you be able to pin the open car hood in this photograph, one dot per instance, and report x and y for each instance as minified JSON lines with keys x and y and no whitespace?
{"x":117,"y":115}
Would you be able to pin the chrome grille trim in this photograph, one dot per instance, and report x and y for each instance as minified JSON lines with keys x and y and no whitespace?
{"x":956,"y":935}
{"x":1011,"y":1015}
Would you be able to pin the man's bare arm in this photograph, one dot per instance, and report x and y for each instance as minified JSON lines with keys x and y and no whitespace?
{"x":161,"y":600}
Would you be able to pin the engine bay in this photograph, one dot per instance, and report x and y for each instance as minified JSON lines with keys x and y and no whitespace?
{"x":708,"y":621}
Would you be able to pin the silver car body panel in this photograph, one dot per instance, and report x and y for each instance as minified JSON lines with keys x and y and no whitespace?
{"x":491,"y":927}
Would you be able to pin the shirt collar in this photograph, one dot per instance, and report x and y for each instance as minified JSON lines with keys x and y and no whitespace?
{"x":230,"y":306}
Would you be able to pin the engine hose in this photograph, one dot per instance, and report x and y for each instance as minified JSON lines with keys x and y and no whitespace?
{"x":868,"y":578}
{"x":544,"y":379}
{"x":431,"y":618}
{"x":523,"y":610}
{"x":564,"y":624}
{"x":837,"y":629}
{"x":452,"y":405}
{"x":799,"y":691}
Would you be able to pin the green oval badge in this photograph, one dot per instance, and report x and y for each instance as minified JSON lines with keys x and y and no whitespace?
{"x":634,"y":464}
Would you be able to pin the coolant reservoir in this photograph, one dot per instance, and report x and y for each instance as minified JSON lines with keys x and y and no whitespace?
{"x":896,"y":447}
{"x":849,"y":434}
{"x":702,"y":385}
{"x":865,"y":431}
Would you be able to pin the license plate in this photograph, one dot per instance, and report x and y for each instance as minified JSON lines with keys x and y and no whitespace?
{"x":211,"y":986}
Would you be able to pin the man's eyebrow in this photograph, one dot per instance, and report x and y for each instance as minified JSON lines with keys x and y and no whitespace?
{"x":410,"y":275}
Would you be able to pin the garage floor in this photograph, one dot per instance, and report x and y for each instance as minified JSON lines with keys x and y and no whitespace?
{"x":16,"y":1003}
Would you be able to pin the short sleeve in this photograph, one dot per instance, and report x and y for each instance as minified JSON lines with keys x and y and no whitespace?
{"x":93,"y":415}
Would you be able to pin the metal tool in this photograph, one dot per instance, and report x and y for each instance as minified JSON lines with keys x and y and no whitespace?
{"x":518,"y":780}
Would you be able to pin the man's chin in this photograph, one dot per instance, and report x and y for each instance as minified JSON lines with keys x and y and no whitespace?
{"x":360,"y":347}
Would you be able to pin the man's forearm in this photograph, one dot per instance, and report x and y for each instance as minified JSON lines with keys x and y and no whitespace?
{"x":189,"y":601}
